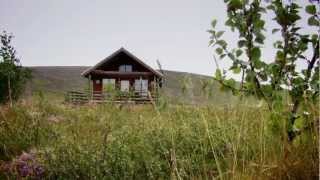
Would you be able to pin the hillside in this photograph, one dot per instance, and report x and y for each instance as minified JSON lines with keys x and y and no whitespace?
{"x":178,"y":86}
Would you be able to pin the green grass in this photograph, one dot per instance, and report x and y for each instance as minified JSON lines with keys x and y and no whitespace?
{"x":171,"y":142}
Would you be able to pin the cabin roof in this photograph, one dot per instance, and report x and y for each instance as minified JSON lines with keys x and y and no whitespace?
{"x":121,"y":50}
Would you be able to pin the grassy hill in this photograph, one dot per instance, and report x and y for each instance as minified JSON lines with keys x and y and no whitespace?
{"x":178,"y":86}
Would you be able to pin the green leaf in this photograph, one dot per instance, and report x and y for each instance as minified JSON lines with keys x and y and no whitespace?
{"x":263,"y":76}
{"x":222,"y":56}
{"x":293,"y":17}
{"x":274,"y":69}
{"x":259,"y":38}
{"x":312,"y":21}
{"x":242,"y":43}
{"x":219,"y":51}
{"x":211,"y":32}
{"x":230,"y":82}
{"x":218,"y":74}
{"x":219,"y":34}
{"x":213,"y":23}
{"x":259,"y":24}
{"x":280,"y":56}
{"x":294,"y":5}
{"x":250,"y":76}
{"x":229,"y":23}
{"x":231,"y":56}
{"x":239,"y":52}
{"x":234,"y":5}
{"x":222,"y":43}
{"x":211,"y":42}
{"x":295,"y":29}
{"x":314,"y":37}
{"x":275,"y":30}
{"x":255,"y":54}
{"x":236,"y":70}
{"x":278,"y":44}
{"x":258,"y":64}
{"x":311,"y":9}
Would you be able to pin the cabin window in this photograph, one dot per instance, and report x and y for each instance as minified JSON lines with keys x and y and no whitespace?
{"x":109,"y":84}
{"x":124,"y":85}
{"x":98,"y":81}
{"x":125,"y":68}
{"x":141,"y":87}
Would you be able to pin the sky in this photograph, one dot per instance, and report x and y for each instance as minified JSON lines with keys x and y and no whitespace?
{"x":83,"y":32}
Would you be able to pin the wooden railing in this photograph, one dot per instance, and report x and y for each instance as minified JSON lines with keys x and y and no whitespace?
{"x":102,"y":97}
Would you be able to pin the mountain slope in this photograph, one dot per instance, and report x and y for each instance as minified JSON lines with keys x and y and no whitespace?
{"x":178,"y":86}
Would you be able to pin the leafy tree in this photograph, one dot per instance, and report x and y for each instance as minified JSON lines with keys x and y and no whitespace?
{"x":13,"y":76}
{"x":264,"y":79}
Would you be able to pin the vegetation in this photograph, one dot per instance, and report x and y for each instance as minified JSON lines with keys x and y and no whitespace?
{"x":43,"y":138}
{"x":139,"y":142}
{"x":13,"y":76}
{"x":270,"y":79}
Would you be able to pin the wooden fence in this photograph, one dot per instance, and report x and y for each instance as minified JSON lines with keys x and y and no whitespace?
{"x":78,"y":97}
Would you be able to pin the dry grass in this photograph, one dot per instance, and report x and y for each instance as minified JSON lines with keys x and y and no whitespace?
{"x":177,"y":142}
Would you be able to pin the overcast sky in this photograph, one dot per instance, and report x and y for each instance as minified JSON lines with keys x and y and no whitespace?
{"x":83,"y":32}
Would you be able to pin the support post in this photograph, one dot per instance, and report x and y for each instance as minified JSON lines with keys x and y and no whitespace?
{"x":90,"y":88}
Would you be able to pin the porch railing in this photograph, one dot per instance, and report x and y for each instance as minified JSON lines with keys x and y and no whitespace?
{"x":102,"y":97}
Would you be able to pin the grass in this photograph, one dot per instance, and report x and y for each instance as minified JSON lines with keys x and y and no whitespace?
{"x":138,"y":142}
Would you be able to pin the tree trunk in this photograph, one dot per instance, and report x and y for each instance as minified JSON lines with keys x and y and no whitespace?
{"x":291,"y":133}
{"x":9,"y":91}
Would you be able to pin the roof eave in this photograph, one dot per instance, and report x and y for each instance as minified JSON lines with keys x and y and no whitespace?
{"x":87,"y":71}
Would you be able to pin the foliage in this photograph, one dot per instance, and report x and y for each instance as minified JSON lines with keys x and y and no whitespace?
{"x":13,"y":76}
{"x":262,"y":78}
{"x":182,"y":142}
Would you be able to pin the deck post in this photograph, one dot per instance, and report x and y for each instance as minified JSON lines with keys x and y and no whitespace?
{"x":90,"y":88}
{"x":140,"y":83}
{"x":158,"y":87}
{"x":154,"y":91}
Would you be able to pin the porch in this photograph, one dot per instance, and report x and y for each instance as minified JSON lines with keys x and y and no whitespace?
{"x":82,"y":97}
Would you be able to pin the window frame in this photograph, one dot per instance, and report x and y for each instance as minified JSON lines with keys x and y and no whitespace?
{"x":125,"y":68}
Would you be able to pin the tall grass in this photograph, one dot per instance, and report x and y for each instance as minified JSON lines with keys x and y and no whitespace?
{"x":174,"y":142}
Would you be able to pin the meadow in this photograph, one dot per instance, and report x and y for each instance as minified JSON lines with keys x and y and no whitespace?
{"x":45,"y":139}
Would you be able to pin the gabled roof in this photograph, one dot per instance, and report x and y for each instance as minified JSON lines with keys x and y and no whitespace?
{"x":121,"y":50}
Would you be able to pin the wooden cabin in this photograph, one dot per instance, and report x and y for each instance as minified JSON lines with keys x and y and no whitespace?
{"x":126,"y":74}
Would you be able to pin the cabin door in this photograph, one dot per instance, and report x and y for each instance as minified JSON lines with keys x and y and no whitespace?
{"x":97,"y":87}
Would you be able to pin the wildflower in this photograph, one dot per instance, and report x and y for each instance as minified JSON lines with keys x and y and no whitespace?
{"x":306,"y":113}
{"x":38,"y":170}
{"x":22,"y":168}
{"x":26,"y":157}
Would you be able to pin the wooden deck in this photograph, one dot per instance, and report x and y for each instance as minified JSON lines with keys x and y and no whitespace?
{"x":78,"y":97}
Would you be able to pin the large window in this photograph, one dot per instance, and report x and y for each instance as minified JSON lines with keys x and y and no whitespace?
{"x":141,"y":87}
{"x":125,"y":68}
{"x":124,"y":85}
{"x":109,"y":84}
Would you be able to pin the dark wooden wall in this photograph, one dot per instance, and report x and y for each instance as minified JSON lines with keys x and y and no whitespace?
{"x":123,"y":59}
